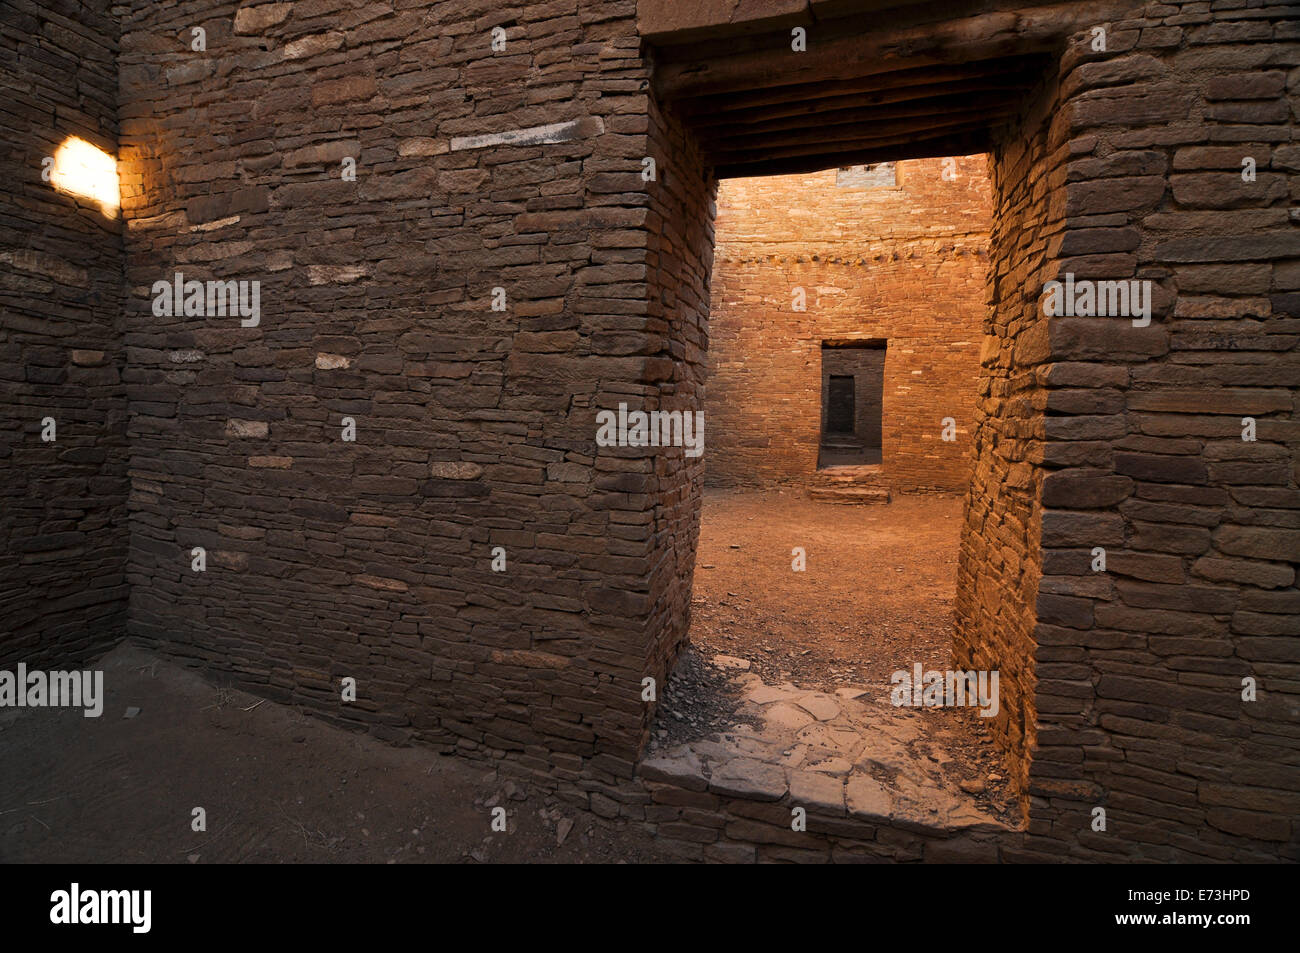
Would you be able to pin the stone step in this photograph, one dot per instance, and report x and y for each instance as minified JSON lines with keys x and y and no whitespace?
{"x":864,"y":475}
{"x":850,"y":480}
{"x":849,"y":494}
{"x":849,"y":758}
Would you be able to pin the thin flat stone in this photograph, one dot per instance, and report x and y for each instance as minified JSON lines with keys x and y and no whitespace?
{"x":786,"y":716}
{"x":865,"y":797}
{"x":766,"y":694}
{"x":965,"y":816}
{"x":889,"y":760}
{"x":833,"y":738}
{"x":817,"y":792}
{"x":759,"y":748}
{"x":532,"y":136}
{"x":679,"y":767}
{"x":731,"y":662}
{"x":747,"y":778}
{"x":715,"y":750}
{"x":901,"y":731}
{"x":819,"y":706}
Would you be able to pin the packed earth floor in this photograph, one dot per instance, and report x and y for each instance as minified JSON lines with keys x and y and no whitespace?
{"x":792,"y":668}
{"x":276,"y":786}
{"x":787,"y":676}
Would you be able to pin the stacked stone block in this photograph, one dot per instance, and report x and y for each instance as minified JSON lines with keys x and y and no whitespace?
{"x":500,"y":269}
{"x":63,"y":527}
{"x":1101,"y":435}
{"x":475,"y":427}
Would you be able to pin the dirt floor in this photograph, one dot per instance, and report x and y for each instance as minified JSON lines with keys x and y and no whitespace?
{"x":876,"y":596}
{"x":279,"y":786}
{"x":276,"y":786}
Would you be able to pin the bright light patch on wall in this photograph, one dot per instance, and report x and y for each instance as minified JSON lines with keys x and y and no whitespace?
{"x":81,"y":169}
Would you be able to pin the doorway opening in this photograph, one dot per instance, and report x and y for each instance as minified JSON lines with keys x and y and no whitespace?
{"x":853,"y":379}
{"x":803,"y":612}
{"x":912,"y":90}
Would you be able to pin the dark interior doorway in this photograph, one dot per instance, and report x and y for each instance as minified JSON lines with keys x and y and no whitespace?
{"x":839,"y":405}
{"x":853,"y":380}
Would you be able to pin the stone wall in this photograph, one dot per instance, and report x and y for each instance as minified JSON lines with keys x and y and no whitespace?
{"x":475,"y":427}
{"x":1123,"y":685}
{"x":706,"y":824}
{"x":905,"y":264}
{"x":1139,"y":668}
{"x":63,"y":592}
{"x":998,"y":567}
{"x":521,"y":169}
{"x":680,"y":258}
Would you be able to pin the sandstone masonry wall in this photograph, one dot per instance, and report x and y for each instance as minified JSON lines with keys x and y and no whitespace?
{"x":906,"y":264}
{"x":998,"y":566}
{"x":1122,"y":686}
{"x":680,"y":260}
{"x":475,"y":428}
{"x":63,"y":533}
{"x":1139,"y":696}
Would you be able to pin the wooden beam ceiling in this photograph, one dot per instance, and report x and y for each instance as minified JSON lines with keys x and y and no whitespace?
{"x":865,"y":90}
{"x":809,"y":127}
{"x":958,"y":144}
{"x":857,"y":47}
{"x":992,"y":104}
{"x":895,"y":87}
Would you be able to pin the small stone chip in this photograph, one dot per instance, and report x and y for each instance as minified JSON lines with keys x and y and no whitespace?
{"x":731,"y":662}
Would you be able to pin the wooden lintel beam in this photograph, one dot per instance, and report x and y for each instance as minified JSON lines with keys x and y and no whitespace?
{"x":901,"y":83}
{"x":867,"y":132}
{"x":979,"y":102}
{"x":962,"y":144}
{"x":812,"y":144}
{"x":848,"y":51}
{"x":826,"y":105}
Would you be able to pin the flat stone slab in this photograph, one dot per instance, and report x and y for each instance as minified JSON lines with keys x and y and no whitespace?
{"x":832,"y":737}
{"x":760,"y":749}
{"x":730,"y":662}
{"x":678,"y":767}
{"x":902,"y":731}
{"x":849,"y":758}
{"x":766,"y":694}
{"x":922,"y":804}
{"x":888,"y":760}
{"x":786,"y":717}
{"x":716,"y":750}
{"x":845,"y":494}
{"x":534,"y":135}
{"x":966,"y":817}
{"x":820,"y":793}
{"x":819,"y":706}
{"x":747,"y":778}
{"x":865,"y":797}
